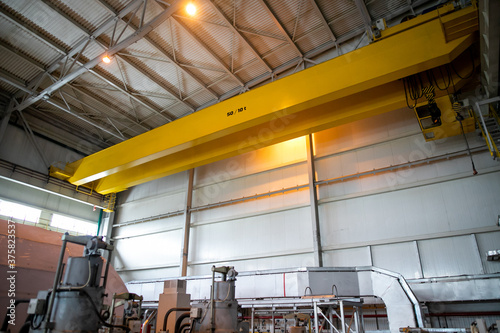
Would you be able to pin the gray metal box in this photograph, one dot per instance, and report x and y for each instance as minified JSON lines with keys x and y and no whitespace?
{"x":36,"y":306}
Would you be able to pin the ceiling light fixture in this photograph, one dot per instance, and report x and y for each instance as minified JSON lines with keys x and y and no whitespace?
{"x":191,"y":9}
{"x":106,"y":59}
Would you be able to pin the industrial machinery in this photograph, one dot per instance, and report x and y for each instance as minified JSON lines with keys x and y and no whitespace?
{"x":75,"y":302}
{"x":223,"y":307}
{"x":217,"y":315}
{"x":132,"y":309}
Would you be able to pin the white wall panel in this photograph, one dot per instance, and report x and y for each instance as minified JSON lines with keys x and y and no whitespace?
{"x":449,"y":206}
{"x":162,"y":225}
{"x":276,"y":233}
{"x":163,"y":248}
{"x":163,"y":186}
{"x":260,"y":160}
{"x":144,"y":208}
{"x":365,"y":132}
{"x":399,"y":257}
{"x":392,"y":153}
{"x":487,"y":242}
{"x":359,"y":256}
{"x":449,"y":256}
{"x":150,"y":274}
{"x":263,"y":182}
{"x":251,"y":207}
{"x":288,"y":261}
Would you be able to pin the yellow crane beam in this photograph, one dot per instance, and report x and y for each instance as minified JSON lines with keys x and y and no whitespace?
{"x":359,"y":84}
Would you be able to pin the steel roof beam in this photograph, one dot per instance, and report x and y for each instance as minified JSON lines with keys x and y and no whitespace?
{"x":13,"y":81}
{"x":40,"y":67}
{"x":223,"y":16}
{"x":278,"y":24}
{"x":70,"y":128}
{"x":363,"y":11}
{"x":75,"y":50}
{"x":176,"y":64}
{"x":119,"y":119}
{"x":124,"y":116}
{"x":207,"y":49}
{"x":318,"y":12}
{"x":156,"y":81}
{"x":144,"y":30}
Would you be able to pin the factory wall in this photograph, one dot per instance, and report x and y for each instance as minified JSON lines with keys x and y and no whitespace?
{"x":430,"y":219}
{"x":22,"y":178}
{"x":16,"y":147}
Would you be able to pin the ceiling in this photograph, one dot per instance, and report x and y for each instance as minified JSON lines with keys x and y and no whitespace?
{"x":164,"y":64}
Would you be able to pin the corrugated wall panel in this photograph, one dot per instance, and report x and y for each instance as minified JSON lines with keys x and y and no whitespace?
{"x":359,"y":256}
{"x":145,"y":228}
{"x":155,"y":206}
{"x":158,"y":249}
{"x":412,"y":212}
{"x":400,"y":257}
{"x":264,"y":159}
{"x":272,"y":180}
{"x":271,"y":234}
{"x":488,"y":242}
{"x":449,"y":256}
{"x":150,"y":274}
{"x":298,"y":260}
{"x":162,"y":186}
{"x":365,"y":132}
{"x":279,"y":202}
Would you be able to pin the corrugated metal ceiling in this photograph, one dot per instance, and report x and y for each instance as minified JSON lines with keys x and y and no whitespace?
{"x":183,"y":65}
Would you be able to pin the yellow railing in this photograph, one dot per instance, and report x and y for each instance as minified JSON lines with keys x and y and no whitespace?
{"x":494,"y":152}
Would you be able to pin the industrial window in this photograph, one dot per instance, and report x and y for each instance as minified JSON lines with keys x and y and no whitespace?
{"x":18,"y":211}
{"x":71,"y":224}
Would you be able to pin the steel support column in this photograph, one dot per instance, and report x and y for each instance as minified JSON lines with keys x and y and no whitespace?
{"x":313,"y":195}
{"x":107,"y":229}
{"x":187,"y":223}
{"x":4,"y":121}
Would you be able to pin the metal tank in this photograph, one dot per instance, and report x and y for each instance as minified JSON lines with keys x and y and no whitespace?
{"x":75,"y":304}
{"x":220,"y":314}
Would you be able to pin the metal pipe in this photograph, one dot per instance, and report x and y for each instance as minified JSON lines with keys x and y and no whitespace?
{"x":165,"y":318}
{"x":252,"y":320}
{"x":148,"y":320}
{"x":212,"y":302}
{"x":316,"y":328}
{"x":487,"y":134}
{"x":179,"y":320}
{"x":272,"y":318}
{"x":331,"y":318}
{"x":342,"y":317}
{"x":57,"y":278}
{"x":183,"y":327}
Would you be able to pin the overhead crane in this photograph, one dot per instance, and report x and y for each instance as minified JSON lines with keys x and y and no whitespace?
{"x":359,"y":84}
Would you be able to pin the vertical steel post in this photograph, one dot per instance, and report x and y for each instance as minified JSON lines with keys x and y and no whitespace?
{"x":187,"y":223}
{"x":356,"y":319}
{"x":313,"y":195}
{"x":342,"y":317}
{"x":4,"y":120}
{"x":330,"y":316}
{"x":316,"y":327}
{"x":57,"y":278}
{"x":252,"y":324}
{"x":272,"y":315}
